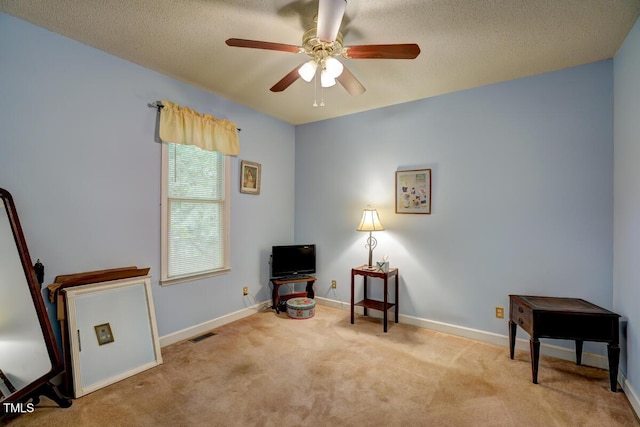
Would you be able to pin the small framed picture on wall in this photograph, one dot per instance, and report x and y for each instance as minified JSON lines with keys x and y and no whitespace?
{"x":250,"y":177}
{"x":413,"y":191}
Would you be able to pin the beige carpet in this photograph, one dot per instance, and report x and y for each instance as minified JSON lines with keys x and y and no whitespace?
{"x":268,"y":370}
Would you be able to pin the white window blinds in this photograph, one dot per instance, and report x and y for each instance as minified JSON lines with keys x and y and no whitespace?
{"x":195,"y":212}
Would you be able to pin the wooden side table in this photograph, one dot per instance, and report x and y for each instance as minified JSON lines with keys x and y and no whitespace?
{"x":564,"y":318}
{"x":275,"y":294}
{"x":367,"y":303}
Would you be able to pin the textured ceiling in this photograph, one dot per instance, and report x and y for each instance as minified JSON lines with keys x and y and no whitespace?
{"x":464,"y":43}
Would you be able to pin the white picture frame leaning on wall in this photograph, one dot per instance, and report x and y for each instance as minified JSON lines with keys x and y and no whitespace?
{"x":133,"y":346}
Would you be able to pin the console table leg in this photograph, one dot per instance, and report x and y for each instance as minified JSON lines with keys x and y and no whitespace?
{"x":353,"y":301}
{"x":534,"y":344}
{"x":614,"y":359}
{"x":579,"y":352}
{"x":364,"y":307}
{"x":385,"y":309}
{"x":397,"y":300}
{"x":512,"y":338}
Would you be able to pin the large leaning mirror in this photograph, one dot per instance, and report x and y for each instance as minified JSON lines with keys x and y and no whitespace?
{"x":29,"y":357}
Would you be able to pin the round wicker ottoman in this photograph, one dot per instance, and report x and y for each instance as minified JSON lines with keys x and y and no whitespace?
{"x":301,"y":308}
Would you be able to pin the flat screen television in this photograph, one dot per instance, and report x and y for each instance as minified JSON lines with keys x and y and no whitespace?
{"x":293,"y":260}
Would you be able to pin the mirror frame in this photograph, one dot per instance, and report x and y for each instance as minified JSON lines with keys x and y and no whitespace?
{"x":41,"y":385}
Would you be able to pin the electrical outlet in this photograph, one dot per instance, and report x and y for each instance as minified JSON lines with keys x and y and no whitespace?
{"x":334,"y":284}
{"x":500,"y":312}
{"x":245,"y":290}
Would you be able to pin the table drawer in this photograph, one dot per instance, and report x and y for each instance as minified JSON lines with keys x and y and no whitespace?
{"x":522,"y":316}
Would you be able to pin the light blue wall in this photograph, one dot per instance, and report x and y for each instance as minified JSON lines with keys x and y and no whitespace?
{"x":626,"y":278}
{"x":522,"y":195}
{"x":77,"y":152}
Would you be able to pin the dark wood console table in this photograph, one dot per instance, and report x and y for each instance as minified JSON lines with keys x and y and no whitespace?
{"x":367,"y":303}
{"x":275,"y":294}
{"x":564,"y":318}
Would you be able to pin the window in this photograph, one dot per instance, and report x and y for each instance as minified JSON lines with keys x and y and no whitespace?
{"x":195,"y":213}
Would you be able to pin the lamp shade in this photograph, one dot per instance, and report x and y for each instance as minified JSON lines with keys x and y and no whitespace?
{"x":370,"y":221}
{"x":326,"y":79}
{"x":308,"y":70}
{"x":333,"y":67}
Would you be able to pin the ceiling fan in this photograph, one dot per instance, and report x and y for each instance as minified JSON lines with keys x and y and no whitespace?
{"x":324,"y":44}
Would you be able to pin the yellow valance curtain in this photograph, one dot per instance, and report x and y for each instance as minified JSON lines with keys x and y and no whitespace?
{"x":182,"y":125}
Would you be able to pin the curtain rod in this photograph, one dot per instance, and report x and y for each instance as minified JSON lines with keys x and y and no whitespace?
{"x":158,"y":106}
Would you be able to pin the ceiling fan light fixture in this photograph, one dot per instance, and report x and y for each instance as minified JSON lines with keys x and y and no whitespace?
{"x":326,"y":79}
{"x":323,"y":44}
{"x":333,"y":67}
{"x":308,"y":70}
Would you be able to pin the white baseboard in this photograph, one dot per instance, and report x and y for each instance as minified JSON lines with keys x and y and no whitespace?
{"x":631,"y":394}
{"x":334,"y":304}
{"x":200,"y":329}
{"x":590,"y":359}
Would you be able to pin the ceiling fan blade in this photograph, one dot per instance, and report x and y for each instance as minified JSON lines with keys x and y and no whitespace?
{"x":382,"y":51}
{"x":350,"y":83}
{"x":330,"y":13}
{"x":256,"y":44}
{"x":287,"y":80}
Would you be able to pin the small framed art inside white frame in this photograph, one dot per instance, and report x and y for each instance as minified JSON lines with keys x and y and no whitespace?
{"x":413,"y":191}
{"x":250,"y":177}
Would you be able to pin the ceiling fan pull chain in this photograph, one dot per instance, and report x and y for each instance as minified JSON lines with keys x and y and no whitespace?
{"x":315,"y":91}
